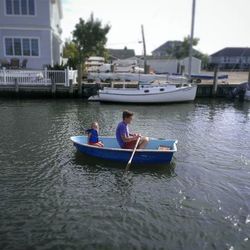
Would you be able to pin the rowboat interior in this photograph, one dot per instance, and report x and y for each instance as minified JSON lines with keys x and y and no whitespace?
{"x":111,"y":143}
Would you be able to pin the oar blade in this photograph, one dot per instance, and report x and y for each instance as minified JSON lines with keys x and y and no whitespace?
{"x":127,"y":167}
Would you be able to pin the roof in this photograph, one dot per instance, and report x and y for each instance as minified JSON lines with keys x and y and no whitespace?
{"x":232,"y":51}
{"x":121,"y":53}
{"x":168,"y":45}
{"x":170,"y":49}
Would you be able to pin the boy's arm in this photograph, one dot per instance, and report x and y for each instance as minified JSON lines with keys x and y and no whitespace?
{"x":135,"y":134}
{"x":130,"y":138}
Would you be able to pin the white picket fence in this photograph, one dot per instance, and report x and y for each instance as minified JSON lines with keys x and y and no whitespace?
{"x":39,"y":77}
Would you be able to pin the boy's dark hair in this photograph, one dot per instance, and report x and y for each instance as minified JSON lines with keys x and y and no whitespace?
{"x":126,"y":114}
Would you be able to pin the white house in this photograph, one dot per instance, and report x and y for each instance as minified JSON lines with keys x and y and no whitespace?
{"x":31,"y":30}
{"x":164,"y":65}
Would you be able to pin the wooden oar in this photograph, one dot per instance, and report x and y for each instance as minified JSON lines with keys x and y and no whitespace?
{"x":131,"y":158}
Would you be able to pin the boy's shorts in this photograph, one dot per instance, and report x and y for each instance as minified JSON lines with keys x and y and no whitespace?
{"x":129,"y":145}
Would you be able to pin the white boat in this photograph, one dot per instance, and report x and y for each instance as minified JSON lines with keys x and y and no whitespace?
{"x":97,"y":64}
{"x":148,"y":94}
{"x":93,"y":76}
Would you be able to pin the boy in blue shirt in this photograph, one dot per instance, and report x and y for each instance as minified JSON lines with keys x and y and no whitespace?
{"x":124,"y":138}
{"x":93,"y":135}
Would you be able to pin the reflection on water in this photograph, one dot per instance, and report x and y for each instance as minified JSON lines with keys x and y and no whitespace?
{"x":82,"y":160}
{"x":56,"y":198}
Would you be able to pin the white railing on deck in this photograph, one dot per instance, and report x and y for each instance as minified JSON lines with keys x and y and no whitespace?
{"x":38,"y":77}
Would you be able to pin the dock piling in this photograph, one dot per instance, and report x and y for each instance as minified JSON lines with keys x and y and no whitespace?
{"x":79,"y":81}
{"x":53,"y":87}
{"x":16,"y":85}
{"x":71,"y":90}
{"x":215,"y":82}
{"x":4,"y":75}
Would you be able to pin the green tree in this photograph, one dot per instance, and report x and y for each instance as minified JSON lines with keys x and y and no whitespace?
{"x":90,"y":39}
{"x":204,"y":60}
{"x":183,"y":50}
{"x":70,"y":51}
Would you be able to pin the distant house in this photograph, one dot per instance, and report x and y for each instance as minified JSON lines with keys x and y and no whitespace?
{"x":170,"y":49}
{"x":232,"y":58}
{"x":167,"y":49}
{"x":30,"y":30}
{"x":125,"y":53}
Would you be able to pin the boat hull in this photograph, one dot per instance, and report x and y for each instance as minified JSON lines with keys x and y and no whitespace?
{"x":148,"y":95}
{"x":146,"y":156}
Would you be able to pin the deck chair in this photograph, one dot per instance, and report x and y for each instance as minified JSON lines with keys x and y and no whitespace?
{"x":5,"y":63}
{"x":14,"y":63}
{"x":24,"y":63}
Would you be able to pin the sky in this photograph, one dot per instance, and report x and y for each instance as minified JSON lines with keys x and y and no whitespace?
{"x":218,"y":23}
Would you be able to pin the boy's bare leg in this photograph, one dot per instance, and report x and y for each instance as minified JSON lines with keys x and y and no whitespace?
{"x":143,"y":142}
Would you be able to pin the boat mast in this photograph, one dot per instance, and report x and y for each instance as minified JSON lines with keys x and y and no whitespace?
{"x":144,"y":50}
{"x":191,"y":42}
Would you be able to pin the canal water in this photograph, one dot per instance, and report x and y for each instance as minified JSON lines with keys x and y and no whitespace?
{"x":52,"y":197}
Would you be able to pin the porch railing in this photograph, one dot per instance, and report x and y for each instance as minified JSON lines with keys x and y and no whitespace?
{"x":38,"y":77}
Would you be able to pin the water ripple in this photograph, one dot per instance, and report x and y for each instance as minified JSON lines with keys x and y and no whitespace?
{"x":53,"y":197}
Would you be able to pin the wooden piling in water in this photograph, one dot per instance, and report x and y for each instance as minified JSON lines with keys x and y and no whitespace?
{"x":215,"y":82}
{"x":71,"y":89}
{"x":79,"y":81}
{"x":53,"y":88}
{"x":16,"y":86}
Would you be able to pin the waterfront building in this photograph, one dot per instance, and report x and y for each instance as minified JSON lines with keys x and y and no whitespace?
{"x":120,"y":54}
{"x":173,"y":66}
{"x":170,"y":49}
{"x":164,"y":59}
{"x":30,"y":33}
{"x":232,"y":58}
{"x":167,"y":49}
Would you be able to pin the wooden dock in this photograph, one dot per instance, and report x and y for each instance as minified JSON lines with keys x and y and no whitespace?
{"x":63,"y":83}
{"x":36,"y":90}
{"x":223,"y":90}
{"x":88,"y":89}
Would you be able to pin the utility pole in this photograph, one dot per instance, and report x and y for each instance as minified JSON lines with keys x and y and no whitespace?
{"x":144,"y":50}
{"x":191,"y":41}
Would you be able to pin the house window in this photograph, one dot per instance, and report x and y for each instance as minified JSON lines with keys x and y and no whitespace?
{"x":34,"y":47}
{"x":24,"y":7}
{"x":8,"y":7}
{"x":21,"y":46}
{"x":17,"y":47}
{"x":31,"y":7}
{"x":20,"y":7}
{"x":26,"y":47}
{"x":8,"y":46}
{"x":16,"y":5}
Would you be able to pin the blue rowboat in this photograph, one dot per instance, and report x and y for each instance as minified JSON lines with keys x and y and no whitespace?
{"x":158,"y":151}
